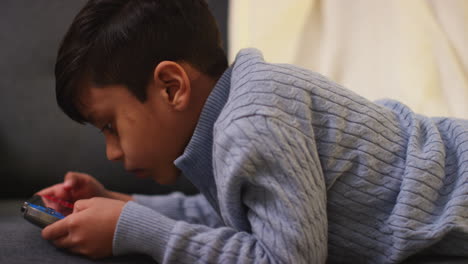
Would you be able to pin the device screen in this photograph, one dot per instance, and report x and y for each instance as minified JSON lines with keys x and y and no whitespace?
{"x":63,"y":207}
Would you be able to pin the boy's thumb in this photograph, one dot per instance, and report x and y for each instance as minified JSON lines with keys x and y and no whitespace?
{"x":80,"y":205}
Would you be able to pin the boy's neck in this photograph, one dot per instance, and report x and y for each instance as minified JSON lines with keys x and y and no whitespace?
{"x":201,"y":86}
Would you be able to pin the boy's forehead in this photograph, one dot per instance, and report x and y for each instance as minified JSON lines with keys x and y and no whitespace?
{"x":93,"y":100}
{"x":86,"y":102}
{"x":86,"y":111}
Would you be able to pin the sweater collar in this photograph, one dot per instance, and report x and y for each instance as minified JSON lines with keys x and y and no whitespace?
{"x":196,"y":161}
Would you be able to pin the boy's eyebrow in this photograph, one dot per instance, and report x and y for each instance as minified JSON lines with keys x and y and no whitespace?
{"x":90,"y":117}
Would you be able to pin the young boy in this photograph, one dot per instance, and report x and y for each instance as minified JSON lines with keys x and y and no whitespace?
{"x":291,"y":167}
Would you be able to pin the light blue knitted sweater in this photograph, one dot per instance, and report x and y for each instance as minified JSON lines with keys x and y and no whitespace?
{"x":293,"y":168}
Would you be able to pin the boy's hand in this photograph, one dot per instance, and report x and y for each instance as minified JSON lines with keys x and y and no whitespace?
{"x":76,"y":186}
{"x":89,"y":230}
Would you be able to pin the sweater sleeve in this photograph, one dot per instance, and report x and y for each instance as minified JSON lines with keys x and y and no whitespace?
{"x":273,"y":201}
{"x":177,"y":206}
{"x":273,"y":169}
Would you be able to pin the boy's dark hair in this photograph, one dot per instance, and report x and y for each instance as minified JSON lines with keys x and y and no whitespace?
{"x":120,"y":42}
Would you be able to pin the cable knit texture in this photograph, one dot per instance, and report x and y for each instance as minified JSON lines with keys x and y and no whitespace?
{"x":293,"y":168}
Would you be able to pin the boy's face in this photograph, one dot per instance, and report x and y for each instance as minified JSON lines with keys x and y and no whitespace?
{"x":146,"y":136}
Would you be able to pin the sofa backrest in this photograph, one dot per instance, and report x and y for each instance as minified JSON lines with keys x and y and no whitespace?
{"x":38,"y":143}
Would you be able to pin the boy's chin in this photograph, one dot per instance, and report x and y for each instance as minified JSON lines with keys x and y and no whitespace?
{"x":167,"y":179}
{"x":140,"y":173}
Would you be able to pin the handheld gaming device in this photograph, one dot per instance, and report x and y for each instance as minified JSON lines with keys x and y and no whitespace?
{"x":43,"y":210}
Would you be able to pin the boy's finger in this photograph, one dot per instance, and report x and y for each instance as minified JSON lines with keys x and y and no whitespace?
{"x":61,"y":192}
{"x":57,"y":190}
{"x":81,"y":205}
{"x":64,"y":242}
{"x":47,"y":191}
{"x":55,"y":230}
{"x":54,"y":190}
{"x":72,"y":180}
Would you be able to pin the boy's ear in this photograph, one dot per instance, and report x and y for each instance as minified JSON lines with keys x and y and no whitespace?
{"x":173,"y":84}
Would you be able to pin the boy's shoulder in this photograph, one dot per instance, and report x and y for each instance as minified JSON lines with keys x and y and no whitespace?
{"x":252,"y":76}
{"x":260,"y":90}
{"x":250,"y":68}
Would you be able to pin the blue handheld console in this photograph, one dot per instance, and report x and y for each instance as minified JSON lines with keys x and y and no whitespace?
{"x":35,"y":211}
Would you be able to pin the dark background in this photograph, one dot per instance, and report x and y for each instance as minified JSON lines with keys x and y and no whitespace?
{"x":38,"y":143}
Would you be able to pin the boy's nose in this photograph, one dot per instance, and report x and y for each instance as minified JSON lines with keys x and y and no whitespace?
{"x":113,"y":150}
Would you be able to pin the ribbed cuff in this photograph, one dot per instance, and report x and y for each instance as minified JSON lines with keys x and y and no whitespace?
{"x":142,"y":230}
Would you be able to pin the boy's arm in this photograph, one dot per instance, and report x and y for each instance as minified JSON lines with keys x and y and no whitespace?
{"x":193,"y":209}
{"x":273,"y":199}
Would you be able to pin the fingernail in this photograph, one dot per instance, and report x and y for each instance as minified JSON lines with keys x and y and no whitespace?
{"x":67,"y":184}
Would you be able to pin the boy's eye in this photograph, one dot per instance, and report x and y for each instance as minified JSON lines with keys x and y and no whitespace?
{"x":108,"y":128}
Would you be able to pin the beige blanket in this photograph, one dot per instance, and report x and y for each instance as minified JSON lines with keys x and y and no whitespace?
{"x":414,"y":51}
